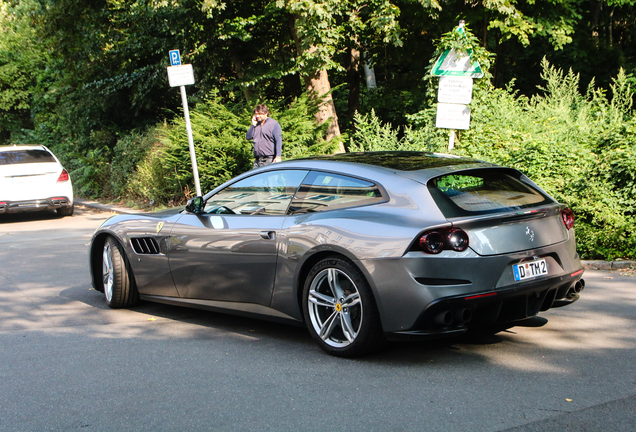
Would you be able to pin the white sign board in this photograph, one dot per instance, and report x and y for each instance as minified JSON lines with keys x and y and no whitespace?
{"x":452,"y":116}
{"x":180,"y":75}
{"x":457,"y":90}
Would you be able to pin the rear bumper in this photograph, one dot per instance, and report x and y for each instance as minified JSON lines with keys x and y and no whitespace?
{"x":35,"y":204}
{"x":455,"y":315}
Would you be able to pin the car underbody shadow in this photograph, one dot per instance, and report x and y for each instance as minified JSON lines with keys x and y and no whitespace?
{"x":32,"y":216}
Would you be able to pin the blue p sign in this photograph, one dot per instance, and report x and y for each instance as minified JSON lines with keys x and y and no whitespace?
{"x":175,"y":59}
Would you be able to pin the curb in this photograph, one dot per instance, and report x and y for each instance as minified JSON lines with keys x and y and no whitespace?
{"x":608,"y":265}
{"x":105,"y":207}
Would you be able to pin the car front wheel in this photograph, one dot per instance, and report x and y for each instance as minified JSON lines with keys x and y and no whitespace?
{"x":119,"y":287}
{"x":340,"y":310}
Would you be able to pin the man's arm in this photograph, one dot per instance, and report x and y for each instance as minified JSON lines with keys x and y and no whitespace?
{"x":278,"y":142}
{"x":250,"y":133}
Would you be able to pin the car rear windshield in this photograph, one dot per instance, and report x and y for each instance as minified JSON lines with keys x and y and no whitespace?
{"x":484,"y":191}
{"x":14,"y":157}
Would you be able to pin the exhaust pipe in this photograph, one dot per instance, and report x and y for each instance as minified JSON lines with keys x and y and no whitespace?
{"x":579,"y":285}
{"x":462,"y":316}
{"x":444,"y":318}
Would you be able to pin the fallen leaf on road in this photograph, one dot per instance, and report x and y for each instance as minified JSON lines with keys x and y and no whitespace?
{"x":152,"y":319}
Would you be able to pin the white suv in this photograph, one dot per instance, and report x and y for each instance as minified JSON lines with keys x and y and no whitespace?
{"x":32,"y":179}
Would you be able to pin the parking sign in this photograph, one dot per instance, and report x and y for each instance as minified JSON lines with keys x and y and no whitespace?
{"x":175,"y":58}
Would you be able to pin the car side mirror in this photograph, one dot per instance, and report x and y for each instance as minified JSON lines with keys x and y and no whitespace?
{"x":195,"y":205}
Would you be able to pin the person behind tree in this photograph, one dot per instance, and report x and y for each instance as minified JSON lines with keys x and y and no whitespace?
{"x":267,"y":136}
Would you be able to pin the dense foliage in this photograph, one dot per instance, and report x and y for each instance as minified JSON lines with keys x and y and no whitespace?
{"x":88,"y":79}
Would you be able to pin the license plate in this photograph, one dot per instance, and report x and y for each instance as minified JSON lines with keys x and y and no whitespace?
{"x":530,"y":269}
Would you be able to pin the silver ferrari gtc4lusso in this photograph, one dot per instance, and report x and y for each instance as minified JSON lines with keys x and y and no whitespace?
{"x":361,"y":247}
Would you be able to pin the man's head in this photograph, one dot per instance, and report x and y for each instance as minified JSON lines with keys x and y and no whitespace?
{"x":261,"y":112}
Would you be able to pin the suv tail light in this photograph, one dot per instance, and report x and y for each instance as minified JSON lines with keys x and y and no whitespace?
{"x":63,"y":176}
{"x":435,"y":241}
{"x":567,"y":216}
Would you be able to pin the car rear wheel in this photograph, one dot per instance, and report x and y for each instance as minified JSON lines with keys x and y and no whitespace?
{"x":340,"y":310}
{"x":119,"y":287}
{"x":65,"y":211}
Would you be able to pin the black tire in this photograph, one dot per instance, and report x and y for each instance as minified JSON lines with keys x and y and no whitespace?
{"x":119,"y":286}
{"x":339,"y":309}
{"x":65,"y":211}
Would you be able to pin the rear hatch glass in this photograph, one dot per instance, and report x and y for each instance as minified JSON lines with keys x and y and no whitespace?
{"x":15,"y":157}
{"x":500,"y":211}
{"x":485,"y":191}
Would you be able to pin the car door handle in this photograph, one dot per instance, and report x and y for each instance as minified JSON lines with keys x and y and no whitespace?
{"x":268,"y":235}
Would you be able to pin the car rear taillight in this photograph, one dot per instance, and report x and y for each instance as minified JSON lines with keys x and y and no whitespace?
{"x":567,"y":216}
{"x":432,"y":242}
{"x":435,"y":241}
{"x":63,"y":176}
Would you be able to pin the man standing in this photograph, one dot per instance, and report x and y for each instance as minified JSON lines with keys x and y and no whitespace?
{"x":267,"y":137}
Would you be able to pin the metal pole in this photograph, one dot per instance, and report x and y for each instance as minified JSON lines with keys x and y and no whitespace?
{"x":451,"y":139}
{"x":193,"y":156}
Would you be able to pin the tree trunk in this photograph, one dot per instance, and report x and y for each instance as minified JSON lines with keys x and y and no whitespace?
{"x":248,"y":93}
{"x":317,"y":84}
{"x":369,"y":73}
{"x":610,"y":27}
{"x":353,"y":78}
{"x":595,"y":12}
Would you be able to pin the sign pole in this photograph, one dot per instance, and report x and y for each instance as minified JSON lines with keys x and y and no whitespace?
{"x":451,"y":139}
{"x":179,"y":76}
{"x":193,"y":157}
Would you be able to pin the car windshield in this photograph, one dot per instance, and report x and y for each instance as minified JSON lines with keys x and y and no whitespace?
{"x":14,"y":157}
{"x":482,"y":192}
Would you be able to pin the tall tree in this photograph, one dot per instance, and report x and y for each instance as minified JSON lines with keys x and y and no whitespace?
{"x":22,"y":60}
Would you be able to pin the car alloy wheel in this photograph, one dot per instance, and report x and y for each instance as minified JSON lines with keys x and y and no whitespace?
{"x":340,"y":310}
{"x":119,"y":286}
{"x":335,"y":307}
{"x":107,"y":272}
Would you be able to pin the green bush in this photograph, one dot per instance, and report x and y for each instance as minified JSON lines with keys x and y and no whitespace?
{"x":154,"y":182}
{"x":129,"y":152}
{"x":372,"y":135}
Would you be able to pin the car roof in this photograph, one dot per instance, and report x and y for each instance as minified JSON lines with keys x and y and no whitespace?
{"x":400,"y":160}
{"x":418,"y":166}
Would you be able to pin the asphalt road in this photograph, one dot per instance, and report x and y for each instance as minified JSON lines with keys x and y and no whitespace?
{"x":68,"y":362}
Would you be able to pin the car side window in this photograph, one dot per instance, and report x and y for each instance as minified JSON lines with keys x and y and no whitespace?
{"x":322,"y":191}
{"x":267,"y":193}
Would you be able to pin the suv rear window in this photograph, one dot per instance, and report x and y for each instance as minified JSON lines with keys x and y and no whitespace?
{"x":14,"y":157}
{"x":484,"y":191}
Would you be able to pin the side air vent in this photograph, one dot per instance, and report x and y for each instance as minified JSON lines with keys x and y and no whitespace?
{"x":145,"y":245}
